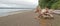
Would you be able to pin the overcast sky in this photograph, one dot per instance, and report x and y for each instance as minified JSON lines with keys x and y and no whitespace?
{"x":19,"y":3}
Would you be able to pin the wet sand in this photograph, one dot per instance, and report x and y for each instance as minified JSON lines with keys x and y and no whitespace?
{"x":25,"y":19}
{"x":19,"y":19}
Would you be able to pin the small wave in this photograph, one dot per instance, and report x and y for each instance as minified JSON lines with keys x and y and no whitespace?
{"x":4,"y":12}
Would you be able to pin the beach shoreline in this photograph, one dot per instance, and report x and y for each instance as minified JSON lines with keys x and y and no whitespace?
{"x":19,"y":19}
{"x":25,"y":18}
{"x":15,"y":12}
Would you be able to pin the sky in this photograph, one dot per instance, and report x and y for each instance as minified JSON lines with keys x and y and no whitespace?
{"x":19,"y":3}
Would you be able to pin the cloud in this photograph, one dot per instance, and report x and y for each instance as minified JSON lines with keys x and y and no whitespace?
{"x":18,"y":3}
{"x":4,"y":5}
{"x":14,"y":6}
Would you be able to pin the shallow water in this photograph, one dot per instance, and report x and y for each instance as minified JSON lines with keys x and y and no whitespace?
{"x":5,"y":11}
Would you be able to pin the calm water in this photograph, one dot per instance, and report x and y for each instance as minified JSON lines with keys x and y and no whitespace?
{"x":5,"y":11}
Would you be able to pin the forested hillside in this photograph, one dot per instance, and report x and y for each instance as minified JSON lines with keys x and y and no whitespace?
{"x":52,"y":4}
